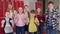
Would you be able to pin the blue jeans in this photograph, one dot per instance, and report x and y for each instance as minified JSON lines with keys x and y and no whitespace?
{"x":32,"y":33}
{"x":50,"y":30}
{"x":20,"y":30}
{"x":40,"y":28}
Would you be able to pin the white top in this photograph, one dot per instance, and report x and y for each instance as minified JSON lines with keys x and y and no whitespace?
{"x":26,"y":15}
{"x":12,"y":13}
{"x":7,"y":24}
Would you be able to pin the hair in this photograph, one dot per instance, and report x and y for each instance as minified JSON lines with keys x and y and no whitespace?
{"x":6,"y":12}
{"x":26,"y":5}
{"x":40,"y":12}
{"x":50,"y":2}
{"x":20,"y":7}
{"x":32,"y":11}
{"x":12,"y":7}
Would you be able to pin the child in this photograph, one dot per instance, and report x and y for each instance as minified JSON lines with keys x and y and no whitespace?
{"x":26,"y":12}
{"x":11,"y":10}
{"x":33,"y":23}
{"x":51,"y":17}
{"x":20,"y":21}
{"x":7,"y":24}
{"x":41,"y":19}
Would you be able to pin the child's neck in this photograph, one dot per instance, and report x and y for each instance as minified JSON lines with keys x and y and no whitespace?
{"x":38,"y":13}
{"x":31,"y":16}
{"x":50,"y":9}
{"x":20,"y":13}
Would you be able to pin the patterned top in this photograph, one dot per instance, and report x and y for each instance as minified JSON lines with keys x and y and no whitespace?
{"x":50,"y":20}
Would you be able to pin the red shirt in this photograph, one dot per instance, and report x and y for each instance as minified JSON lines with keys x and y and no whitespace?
{"x":41,"y":18}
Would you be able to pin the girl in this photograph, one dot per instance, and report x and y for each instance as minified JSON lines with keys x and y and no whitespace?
{"x":7,"y":24}
{"x":11,"y":10}
{"x":20,"y":21}
{"x":33,"y":23}
{"x":26,"y":12}
{"x":41,"y":19}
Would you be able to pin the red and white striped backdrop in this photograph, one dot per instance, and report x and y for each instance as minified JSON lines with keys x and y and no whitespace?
{"x":16,"y":3}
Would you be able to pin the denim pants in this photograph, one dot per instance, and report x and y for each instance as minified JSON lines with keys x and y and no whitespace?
{"x":20,"y":30}
{"x":8,"y":33}
{"x":40,"y":28}
{"x":33,"y":33}
{"x":50,"y":30}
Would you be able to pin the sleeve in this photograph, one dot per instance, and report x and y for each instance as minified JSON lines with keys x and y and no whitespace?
{"x":12,"y":23}
{"x":15,"y":19}
{"x":57,"y":14}
{"x":27,"y":21}
{"x":2,"y":22}
{"x":36,"y":21}
{"x":15,"y":12}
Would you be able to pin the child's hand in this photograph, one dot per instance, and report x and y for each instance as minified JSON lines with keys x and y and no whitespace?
{"x":38,"y":24}
{"x":54,"y":16}
{"x":2,"y":23}
{"x":41,"y":20}
{"x":46,"y":16}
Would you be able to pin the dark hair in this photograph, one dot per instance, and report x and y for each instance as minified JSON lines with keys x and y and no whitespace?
{"x":20,"y":6}
{"x":26,"y":5}
{"x":32,"y":11}
{"x":50,"y":2}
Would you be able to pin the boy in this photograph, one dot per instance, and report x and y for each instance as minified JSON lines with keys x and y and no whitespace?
{"x":51,"y":17}
{"x":7,"y":24}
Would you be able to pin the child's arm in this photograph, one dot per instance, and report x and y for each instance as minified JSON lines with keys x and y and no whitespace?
{"x":2,"y":22}
{"x":36,"y":21}
{"x":16,"y":19}
{"x":12,"y":23}
{"x":56,"y":15}
{"x":24,"y":19}
{"x":27,"y":21}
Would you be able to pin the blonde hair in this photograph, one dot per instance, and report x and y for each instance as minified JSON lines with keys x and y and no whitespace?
{"x":40,"y":12}
{"x":11,"y":9}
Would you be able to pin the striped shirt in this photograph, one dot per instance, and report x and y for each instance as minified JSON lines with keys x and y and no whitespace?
{"x":50,"y":20}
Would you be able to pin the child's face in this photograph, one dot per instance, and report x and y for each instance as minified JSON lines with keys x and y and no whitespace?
{"x":7,"y":14}
{"x":50,"y":6}
{"x":38,"y":9}
{"x":26,"y":8}
{"x":10,"y":6}
{"x":32,"y":14}
{"x":20,"y":10}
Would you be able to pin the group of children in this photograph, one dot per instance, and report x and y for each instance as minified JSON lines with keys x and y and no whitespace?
{"x":30,"y":22}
